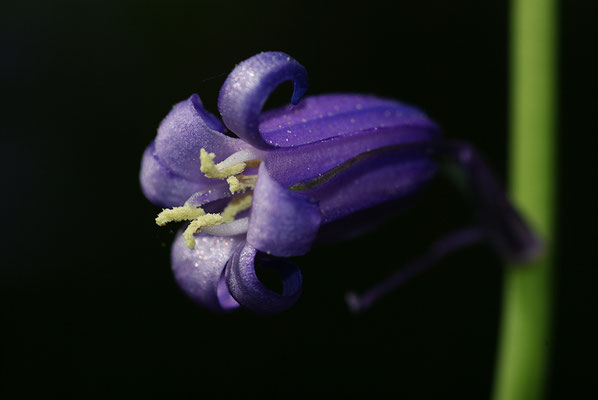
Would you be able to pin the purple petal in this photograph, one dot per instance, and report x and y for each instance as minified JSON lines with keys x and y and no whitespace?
{"x":291,"y":165}
{"x":282,"y":222}
{"x":185,"y":130}
{"x":370,"y":179}
{"x":247,"y":88}
{"x":248,"y":291}
{"x":199,"y":272}
{"x":505,"y":227}
{"x":322,"y":117}
{"x":162,"y":186}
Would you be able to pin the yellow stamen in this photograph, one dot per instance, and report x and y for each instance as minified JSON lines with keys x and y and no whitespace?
{"x":176,"y":214}
{"x":196,"y":225}
{"x":236,"y":205}
{"x":241,"y":182}
{"x":233,"y":184}
{"x":212,"y":170}
{"x":198,"y":217}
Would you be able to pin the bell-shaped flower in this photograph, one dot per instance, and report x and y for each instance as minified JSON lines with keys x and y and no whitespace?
{"x":324,"y":167}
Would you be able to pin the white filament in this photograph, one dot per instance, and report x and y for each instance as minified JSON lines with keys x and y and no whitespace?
{"x":233,"y":228}
{"x":241,"y":156}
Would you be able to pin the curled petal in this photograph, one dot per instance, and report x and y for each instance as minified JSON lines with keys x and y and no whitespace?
{"x":247,"y":290}
{"x":282,"y":222}
{"x":199,"y":272}
{"x":161,"y":185}
{"x":321,"y":117}
{"x":184,"y":132}
{"x":247,"y":88}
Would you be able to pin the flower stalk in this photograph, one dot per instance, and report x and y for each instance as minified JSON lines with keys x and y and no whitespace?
{"x":524,"y":346}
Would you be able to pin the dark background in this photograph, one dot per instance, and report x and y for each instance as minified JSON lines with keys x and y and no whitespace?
{"x":88,"y":306}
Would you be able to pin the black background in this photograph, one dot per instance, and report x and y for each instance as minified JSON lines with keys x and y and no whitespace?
{"x":88,"y":304}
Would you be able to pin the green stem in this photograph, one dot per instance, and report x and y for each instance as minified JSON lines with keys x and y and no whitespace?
{"x":525,"y":331}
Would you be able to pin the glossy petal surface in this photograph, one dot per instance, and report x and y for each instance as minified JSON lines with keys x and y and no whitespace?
{"x":184,"y":132}
{"x":161,"y":185}
{"x":199,"y":271}
{"x":370,"y":180}
{"x":321,"y":117}
{"x":291,"y":165}
{"x":282,"y":222}
{"x":247,"y":88}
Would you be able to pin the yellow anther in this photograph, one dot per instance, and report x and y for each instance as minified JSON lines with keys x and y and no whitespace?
{"x":241,"y":182}
{"x":199,"y":219}
{"x":233,"y":184}
{"x":196,"y":225}
{"x":236,"y":205}
{"x":212,"y":170}
{"x":176,"y":214}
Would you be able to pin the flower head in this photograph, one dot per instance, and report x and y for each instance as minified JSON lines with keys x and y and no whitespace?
{"x":317,"y":167}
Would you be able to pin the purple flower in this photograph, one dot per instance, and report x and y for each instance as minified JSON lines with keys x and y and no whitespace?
{"x":326,"y":167}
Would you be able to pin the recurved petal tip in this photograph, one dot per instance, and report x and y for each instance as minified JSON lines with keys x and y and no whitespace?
{"x":247,"y":88}
{"x":249,"y":292}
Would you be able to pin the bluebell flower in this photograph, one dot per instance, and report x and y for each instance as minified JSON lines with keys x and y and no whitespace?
{"x":325,"y":167}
